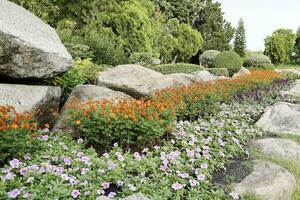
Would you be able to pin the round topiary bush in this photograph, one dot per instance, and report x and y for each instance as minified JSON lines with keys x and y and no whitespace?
{"x":257,"y":60}
{"x":206,"y":58}
{"x":229,"y":60}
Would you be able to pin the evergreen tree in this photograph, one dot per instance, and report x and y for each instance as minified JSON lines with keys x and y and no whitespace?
{"x":239,"y":44}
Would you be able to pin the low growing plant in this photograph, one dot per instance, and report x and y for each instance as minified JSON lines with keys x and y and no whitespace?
{"x":177,"y":68}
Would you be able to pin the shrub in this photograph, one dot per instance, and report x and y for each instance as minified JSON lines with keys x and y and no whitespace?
{"x":263,"y":67}
{"x":207,"y":57}
{"x":218,"y":71}
{"x":16,"y":134}
{"x":257,"y":60}
{"x":83,"y":71}
{"x":79,"y":50}
{"x":229,"y":60}
{"x":177,"y":68}
{"x":144,"y":59}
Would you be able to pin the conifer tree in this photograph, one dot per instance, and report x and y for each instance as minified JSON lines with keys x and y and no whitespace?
{"x":239,"y":44}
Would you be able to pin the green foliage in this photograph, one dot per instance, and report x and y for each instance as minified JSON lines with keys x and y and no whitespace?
{"x":239,"y":44}
{"x":263,"y":67}
{"x":83,"y":71}
{"x":257,"y":60}
{"x":297,"y":45}
{"x":229,"y":60}
{"x":177,"y":68}
{"x":143,"y":59}
{"x":216,"y":31}
{"x":207,"y":57}
{"x":218,"y":71}
{"x":279,"y":46}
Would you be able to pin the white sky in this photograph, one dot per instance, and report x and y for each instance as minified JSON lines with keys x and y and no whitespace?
{"x":262,"y":17}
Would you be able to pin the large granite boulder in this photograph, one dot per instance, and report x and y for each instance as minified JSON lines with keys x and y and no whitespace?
{"x":29,"y":48}
{"x":42,"y":100}
{"x":293,"y":94}
{"x":242,"y":72}
{"x":180,"y":79}
{"x":268,"y":181}
{"x":84,"y":93}
{"x":278,"y":148}
{"x":134,"y":80}
{"x":203,"y":76}
{"x":282,"y":118}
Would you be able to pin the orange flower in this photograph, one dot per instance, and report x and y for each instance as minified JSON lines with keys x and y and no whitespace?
{"x":77,"y":122}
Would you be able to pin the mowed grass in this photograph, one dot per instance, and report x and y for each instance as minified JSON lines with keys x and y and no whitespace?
{"x":293,"y":166}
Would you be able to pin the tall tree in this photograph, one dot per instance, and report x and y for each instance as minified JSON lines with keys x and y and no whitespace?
{"x":279,"y":45}
{"x":297,"y":43}
{"x":239,"y":44}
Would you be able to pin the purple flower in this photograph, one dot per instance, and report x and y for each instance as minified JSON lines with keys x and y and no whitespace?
{"x":75,"y":193}
{"x":64,"y":177}
{"x":30,"y":180}
{"x":86,"y":160}
{"x":163,"y":168}
{"x":67,"y":161}
{"x":119,"y":156}
{"x":26,"y":157}
{"x":111,"y":195}
{"x":9,"y":176}
{"x":111,"y":165}
{"x":193,"y":183}
{"x":84,"y":170}
{"x":27,"y":195}
{"x":137,"y":156}
{"x":177,"y":186}
{"x":201,"y":177}
{"x":190,"y":153}
{"x":54,"y":159}
{"x":45,"y":137}
{"x":14,"y":163}
{"x":116,"y":144}
{"x":204,"y":166}
{"x":183,"y":175}
{"x":23,"y":171}
{"x":105,"y":185}
{"x":14,"y":193}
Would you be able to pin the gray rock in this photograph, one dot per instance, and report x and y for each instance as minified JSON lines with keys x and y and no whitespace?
{"x":293,"y":94}
{"x":84,"y":93}
{"x":137,"y":196}
{"x":29,"y":48}
{"x":287,"y":71}
{"x":25,"y":98}
{"x":103,"y":198}
{"x":180,"y":79}
{"x":282,"y":118}
{"x":279,"y":148}
{"x":243,"y":71}
{"x":134,"y":80}
{"x":267,"y":182}
{"x":203,"y":76}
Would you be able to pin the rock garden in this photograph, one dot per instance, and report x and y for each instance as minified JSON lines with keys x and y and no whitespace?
{"x":227,"y":128}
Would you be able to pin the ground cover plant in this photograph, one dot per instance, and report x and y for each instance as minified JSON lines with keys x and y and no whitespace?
{"x":181,"y":167}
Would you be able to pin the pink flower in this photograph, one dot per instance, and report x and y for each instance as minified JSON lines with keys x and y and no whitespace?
{"x":234,"y":195}
{"x":177,"y":186}
{"x":75,"y":193}
{"x":193,"y":183}
{"x":14,"y":193}
{"x":14,"y":163}
{"x":105,"y":185}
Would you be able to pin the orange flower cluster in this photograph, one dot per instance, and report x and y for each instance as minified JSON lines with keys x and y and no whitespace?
{"x":10,"y":119}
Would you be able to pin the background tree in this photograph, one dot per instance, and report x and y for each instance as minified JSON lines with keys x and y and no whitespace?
{"x":279,"y":46}
{"x":239,"y":44}
{"x":297,"y":44}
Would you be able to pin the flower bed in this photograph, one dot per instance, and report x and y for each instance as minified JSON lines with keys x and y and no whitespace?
{"x":144,"y":123}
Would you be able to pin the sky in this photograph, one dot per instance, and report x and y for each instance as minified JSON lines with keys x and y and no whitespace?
{"x":262,"y":17}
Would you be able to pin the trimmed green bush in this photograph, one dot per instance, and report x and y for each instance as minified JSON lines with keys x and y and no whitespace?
{"x":206,"y":58}
{"x":257,"y":60}
{"x":218,"y":71}
{"x":177,"y":68}
{"x":229,"y":60}
{"x":264,"y":67}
